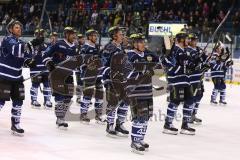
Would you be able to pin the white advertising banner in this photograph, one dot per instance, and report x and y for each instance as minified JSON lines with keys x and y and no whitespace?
{"x":161,"y":29}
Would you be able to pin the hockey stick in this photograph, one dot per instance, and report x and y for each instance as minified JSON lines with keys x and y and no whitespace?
{"x":219,"y":26}
{"x":42,"y":14}
{"x":157,"y":88}
{"x":49,"y":21}
{"x":35,"y":75}
{"x":59,"y":65}
{"x":125,"y":98}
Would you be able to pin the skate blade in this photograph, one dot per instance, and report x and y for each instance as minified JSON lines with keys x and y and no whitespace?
{"x":197,"y":123}
{"x":214,"y":104}
{"x":221,"y":104}
{"x":111,"y":136}
{"x":84,"y":122}
{"x":34,"y":107}
{"x":48,"y":108}
{"x":14,"y":133}
{"x":62,"y":128}
{"x":100,"y":122}
{"x":119,"y":134}
{"x":185,"y":132}
{"x":165,"y":131}
{"x":137,"y":152}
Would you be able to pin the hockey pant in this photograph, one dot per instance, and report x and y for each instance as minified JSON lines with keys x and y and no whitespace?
{"x":115,"y":103}
{"x":198,"y":90}
{"x":90,"y":91}
{"x":46,"y":91}
{"x":177,"y":95}
{"x":15,"y":92}
{"x":219,"y":86}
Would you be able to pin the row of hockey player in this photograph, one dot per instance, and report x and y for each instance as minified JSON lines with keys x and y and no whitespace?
{"x":39,"y":78}
{"x":186,"y":65}
{"x":126,"y":76}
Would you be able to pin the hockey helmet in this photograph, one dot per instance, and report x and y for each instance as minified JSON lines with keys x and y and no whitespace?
{"x":80,"y":35}
{"x":90,"y":32}
{"x":136,"y":37}
{"x":113,"y":30}
{"x":68,"y":30}
{"x":181,"y":35}
{"x":53,"y":34}
{"x":193,"y":36}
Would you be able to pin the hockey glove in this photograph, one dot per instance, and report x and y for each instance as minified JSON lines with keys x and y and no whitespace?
{"x":229,"y":63}
{"x":205,"y":67}
{"x":37,"y":41}
{"x":30,"y":63}
{"x":50,"y":65}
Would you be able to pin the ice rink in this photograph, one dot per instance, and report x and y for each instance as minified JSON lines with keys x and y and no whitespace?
{"x":218,"y":138}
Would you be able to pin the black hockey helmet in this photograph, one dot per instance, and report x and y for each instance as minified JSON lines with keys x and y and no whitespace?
{"x":192,"y":36}
{"x":80,"y":35}
{"x":90,"y":32}
{"x":181,"y":35}
{"x":136,"y":37}
{"x":68,"y":30}
{"x":12,"y":23}
{"x":113,"y":30}
{"x":39,"y":32}
{"x":53,"y":34}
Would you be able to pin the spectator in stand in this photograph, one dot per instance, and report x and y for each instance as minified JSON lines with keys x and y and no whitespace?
{"x":81,"y":5}
{"x":236,"y":22}
{"x":205,"y":9}
{"x":84,"y":13}
{"x":95,"y":5}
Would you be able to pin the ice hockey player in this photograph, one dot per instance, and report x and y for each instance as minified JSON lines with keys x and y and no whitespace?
{"x":53,"y":38}
{"x":55,"y":54}
{"x":42,"y":78}
{"x":92,"y":84}
{"x":115,"y":92}
{"x":180,"y":88}
{"x":14,"y":55}
{"x":139,"y":90}
{"x":80,"y":42}
{"x":219,"y":64}
{"x":197,"y":58}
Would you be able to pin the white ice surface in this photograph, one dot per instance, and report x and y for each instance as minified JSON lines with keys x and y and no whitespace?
{"x":217,"y":139}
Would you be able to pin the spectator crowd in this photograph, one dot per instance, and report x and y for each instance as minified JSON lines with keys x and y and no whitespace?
{"x":200,"y":15}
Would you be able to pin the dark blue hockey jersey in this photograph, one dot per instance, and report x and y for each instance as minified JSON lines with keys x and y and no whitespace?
{"x":218,"y":68}
{"x":197,"y":62}
{"x":38,"y":57}
{"x":139,"y":79}
{"x":89,"y":49}
{"x":59,"y":52}
{"x":175,"y":63}
{"x":12,"y":58}
{"x":109,"y":50}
